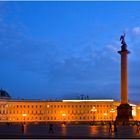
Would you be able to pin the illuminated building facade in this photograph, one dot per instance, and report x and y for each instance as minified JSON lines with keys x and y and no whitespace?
{"x":59,"y":111}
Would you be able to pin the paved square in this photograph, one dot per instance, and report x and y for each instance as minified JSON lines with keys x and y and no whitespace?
{"x":67,"y":131}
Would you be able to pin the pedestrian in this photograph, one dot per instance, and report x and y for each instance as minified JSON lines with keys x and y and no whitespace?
{"x":115,"y":127}
{"x":51,"y":128}
{"x":110,"y":127}
{"x":8,"y":124}
{"x":138,"y":128}
{"x":22,"y":128}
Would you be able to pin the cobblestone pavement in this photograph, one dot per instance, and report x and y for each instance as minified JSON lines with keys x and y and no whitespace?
{"x":67,"y":131}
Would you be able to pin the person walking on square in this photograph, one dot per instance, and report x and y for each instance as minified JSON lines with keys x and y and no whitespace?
{"x":51,"y":128}
{"x":110,"y":127}
{"x":138,"y":128}
{"x":115,"y":127}
{"x":22,"y":128}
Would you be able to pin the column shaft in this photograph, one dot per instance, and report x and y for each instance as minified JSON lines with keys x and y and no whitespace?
{"x":124,"y":78}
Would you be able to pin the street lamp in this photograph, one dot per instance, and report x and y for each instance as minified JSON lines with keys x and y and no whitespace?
{"x":112,"y":111}
{"x":105,"y":114}
{"x":63,"y":115}
{"x":24,"y":115}
{"x":93,"y":111}
{"x":23,"y":125}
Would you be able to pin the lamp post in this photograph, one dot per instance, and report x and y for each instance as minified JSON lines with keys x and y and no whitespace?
{"x":93,"y":112}
{"x":23,"y":125}
{"x":24,"y":115}
{"x":105,"y":114}
{"x":63,"y":116}
{"x":112,"y":111}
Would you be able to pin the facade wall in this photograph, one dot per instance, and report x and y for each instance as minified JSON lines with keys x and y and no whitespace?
{"x":138,"y":112}
{"x":57,"y":111}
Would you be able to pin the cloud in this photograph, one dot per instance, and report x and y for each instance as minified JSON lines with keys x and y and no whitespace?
{"x":112,"y":47}
{"x":136,"y":31}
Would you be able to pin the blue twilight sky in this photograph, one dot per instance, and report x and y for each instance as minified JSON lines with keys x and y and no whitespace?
{"x":61,"y":50}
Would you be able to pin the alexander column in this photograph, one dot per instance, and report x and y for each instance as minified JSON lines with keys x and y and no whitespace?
{"x":124,"y":110}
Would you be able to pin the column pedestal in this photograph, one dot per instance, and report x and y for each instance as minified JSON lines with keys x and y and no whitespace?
{"x":124,"y":113}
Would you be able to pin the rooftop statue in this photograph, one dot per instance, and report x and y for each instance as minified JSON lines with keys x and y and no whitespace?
{"x":124,"y":45}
